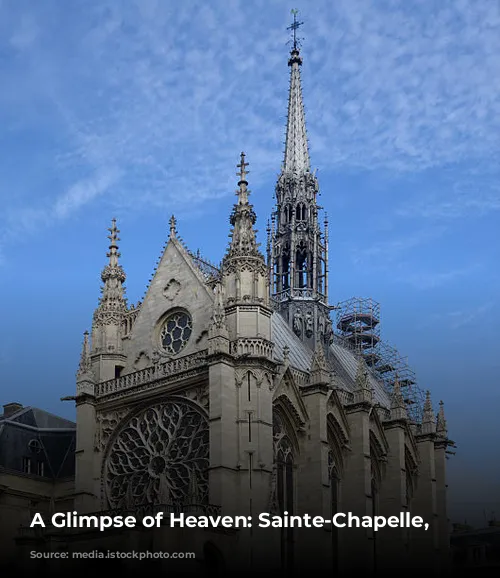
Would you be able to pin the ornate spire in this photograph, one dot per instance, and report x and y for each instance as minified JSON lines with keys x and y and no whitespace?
{"x":441,"y":427}
{"x":428,"y":418}
{"x":112,"y":299}
{"x":85,"y":376}
{"x":173,"y":227}
{"x":319,"y":367}
{"x":85,"y":364}
{"x":298,"y":249}
{"x":363,"y":391}
{"x":296,"y":147}
{"x":113,"y":275}
{"x":243,"y":240}
{"x":398,"y":406}
{"x":219,"y":313}
{"x":362,"y":374}
{"x":218,"y":331}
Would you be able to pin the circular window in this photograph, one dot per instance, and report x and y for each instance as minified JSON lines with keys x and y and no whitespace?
{"x":176,"y":331}
{"x":35,"y":446}
{"x":159,"y":456}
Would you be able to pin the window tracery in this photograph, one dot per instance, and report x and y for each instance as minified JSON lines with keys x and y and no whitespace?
{"x":284,"y":464}
{"x":176,"y":331}
{"x":160,"y":455}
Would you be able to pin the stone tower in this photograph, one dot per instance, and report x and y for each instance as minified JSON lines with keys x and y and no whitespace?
{"x":241,"y":369}
{"x":107,"y":353}
{"x":298,"y":247}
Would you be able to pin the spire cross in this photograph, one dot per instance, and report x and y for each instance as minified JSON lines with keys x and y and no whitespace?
{"x":242,"y":166}
{"x":294,"y":26}
{"x":113,"y":236}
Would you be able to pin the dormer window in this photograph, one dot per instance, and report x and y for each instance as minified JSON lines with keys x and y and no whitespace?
{"x":35,"y":446}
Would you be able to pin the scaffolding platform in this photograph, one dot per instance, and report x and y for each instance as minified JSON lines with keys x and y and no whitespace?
{"x":358,"y":324}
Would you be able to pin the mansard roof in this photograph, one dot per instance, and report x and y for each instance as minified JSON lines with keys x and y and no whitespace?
{"x":33,"y":417}
{"x":30,"y":432}
{"x":343,"y":361}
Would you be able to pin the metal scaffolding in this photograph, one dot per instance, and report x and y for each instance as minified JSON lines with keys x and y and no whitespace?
{"x":209,"y":270}
{"x":358,"y":323}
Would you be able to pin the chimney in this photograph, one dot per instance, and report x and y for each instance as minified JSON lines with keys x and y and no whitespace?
{"x":11,"y":408}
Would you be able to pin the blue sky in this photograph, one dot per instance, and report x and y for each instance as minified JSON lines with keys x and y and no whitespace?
{"x":139,"y":109}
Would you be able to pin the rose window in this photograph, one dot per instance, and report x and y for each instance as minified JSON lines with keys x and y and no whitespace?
{"x":160,"y":456}
{"x":176,"y":331}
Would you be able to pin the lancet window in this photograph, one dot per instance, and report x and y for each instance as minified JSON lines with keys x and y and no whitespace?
{"x":285,"y":483}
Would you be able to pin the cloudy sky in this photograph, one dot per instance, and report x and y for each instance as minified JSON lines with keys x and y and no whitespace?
{"x":139,"y":109}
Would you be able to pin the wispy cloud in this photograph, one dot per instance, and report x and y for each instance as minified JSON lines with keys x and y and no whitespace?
{"x":28,"y":220}
{"x":386,"y":251}
{"x":464,"y":200}
{"x":432,"y":279}
{"x":167,"y":97}
{"x":457,"y":319}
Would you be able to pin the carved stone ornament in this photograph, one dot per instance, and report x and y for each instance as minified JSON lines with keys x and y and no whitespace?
{"x":106,"y":425}
{"x":309,"y":324}
{"x":199,"y":395}
{"x":297,"y":323}
{"x":171,"y":289}
{"x":159,"y":456}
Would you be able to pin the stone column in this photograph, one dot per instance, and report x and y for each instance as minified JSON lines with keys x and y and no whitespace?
{"x":86,"y":498}
{"x":424,"y":543}
{"x":313,"y":491}
{"x":392,"y":542}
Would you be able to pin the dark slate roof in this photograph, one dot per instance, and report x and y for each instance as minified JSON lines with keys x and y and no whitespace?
{"x":34,"y":434}
{"x":342,"y":360}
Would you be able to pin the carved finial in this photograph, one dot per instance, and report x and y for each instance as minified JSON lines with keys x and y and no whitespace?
{"x":85,"y":355}
{"x":242,"y":174}
{"x":441,"y":427}
{"x":217,"y":331}
{"x":243,"y":239}
{"x":319,"y":367}
{"x":363,"y":391}
{"x":85,"y":376}
{"x":113,"y":253}
{"x":173,"y":227}
{"x":398,"y":407}
{"x":362,"y":374}
{"x":113,"y":277}
{"x":219,"y":313}
{"x":428,"y":419}
{"x":286,"y":354}
{"x":113,"y":236}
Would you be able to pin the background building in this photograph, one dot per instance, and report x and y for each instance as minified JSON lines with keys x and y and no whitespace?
{"x":37,"y":468}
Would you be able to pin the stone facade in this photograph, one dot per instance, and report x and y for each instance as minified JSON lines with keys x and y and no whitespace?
{"x":227,"y":391}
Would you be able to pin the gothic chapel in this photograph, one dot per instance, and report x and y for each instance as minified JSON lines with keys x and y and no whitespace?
{"x":227,"y":390}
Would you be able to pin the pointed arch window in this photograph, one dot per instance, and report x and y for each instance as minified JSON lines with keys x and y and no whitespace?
{"x":410,"y":474}
{"x":334,"y":478}
{"x":302,"y":266}
{"x":285,"y":268}
{"x":285,"y":484}
{"x":300,"y":212}
{"x":376,"y":479}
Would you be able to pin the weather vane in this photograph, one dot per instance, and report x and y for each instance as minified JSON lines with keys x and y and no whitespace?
{"x":294,"y":26}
